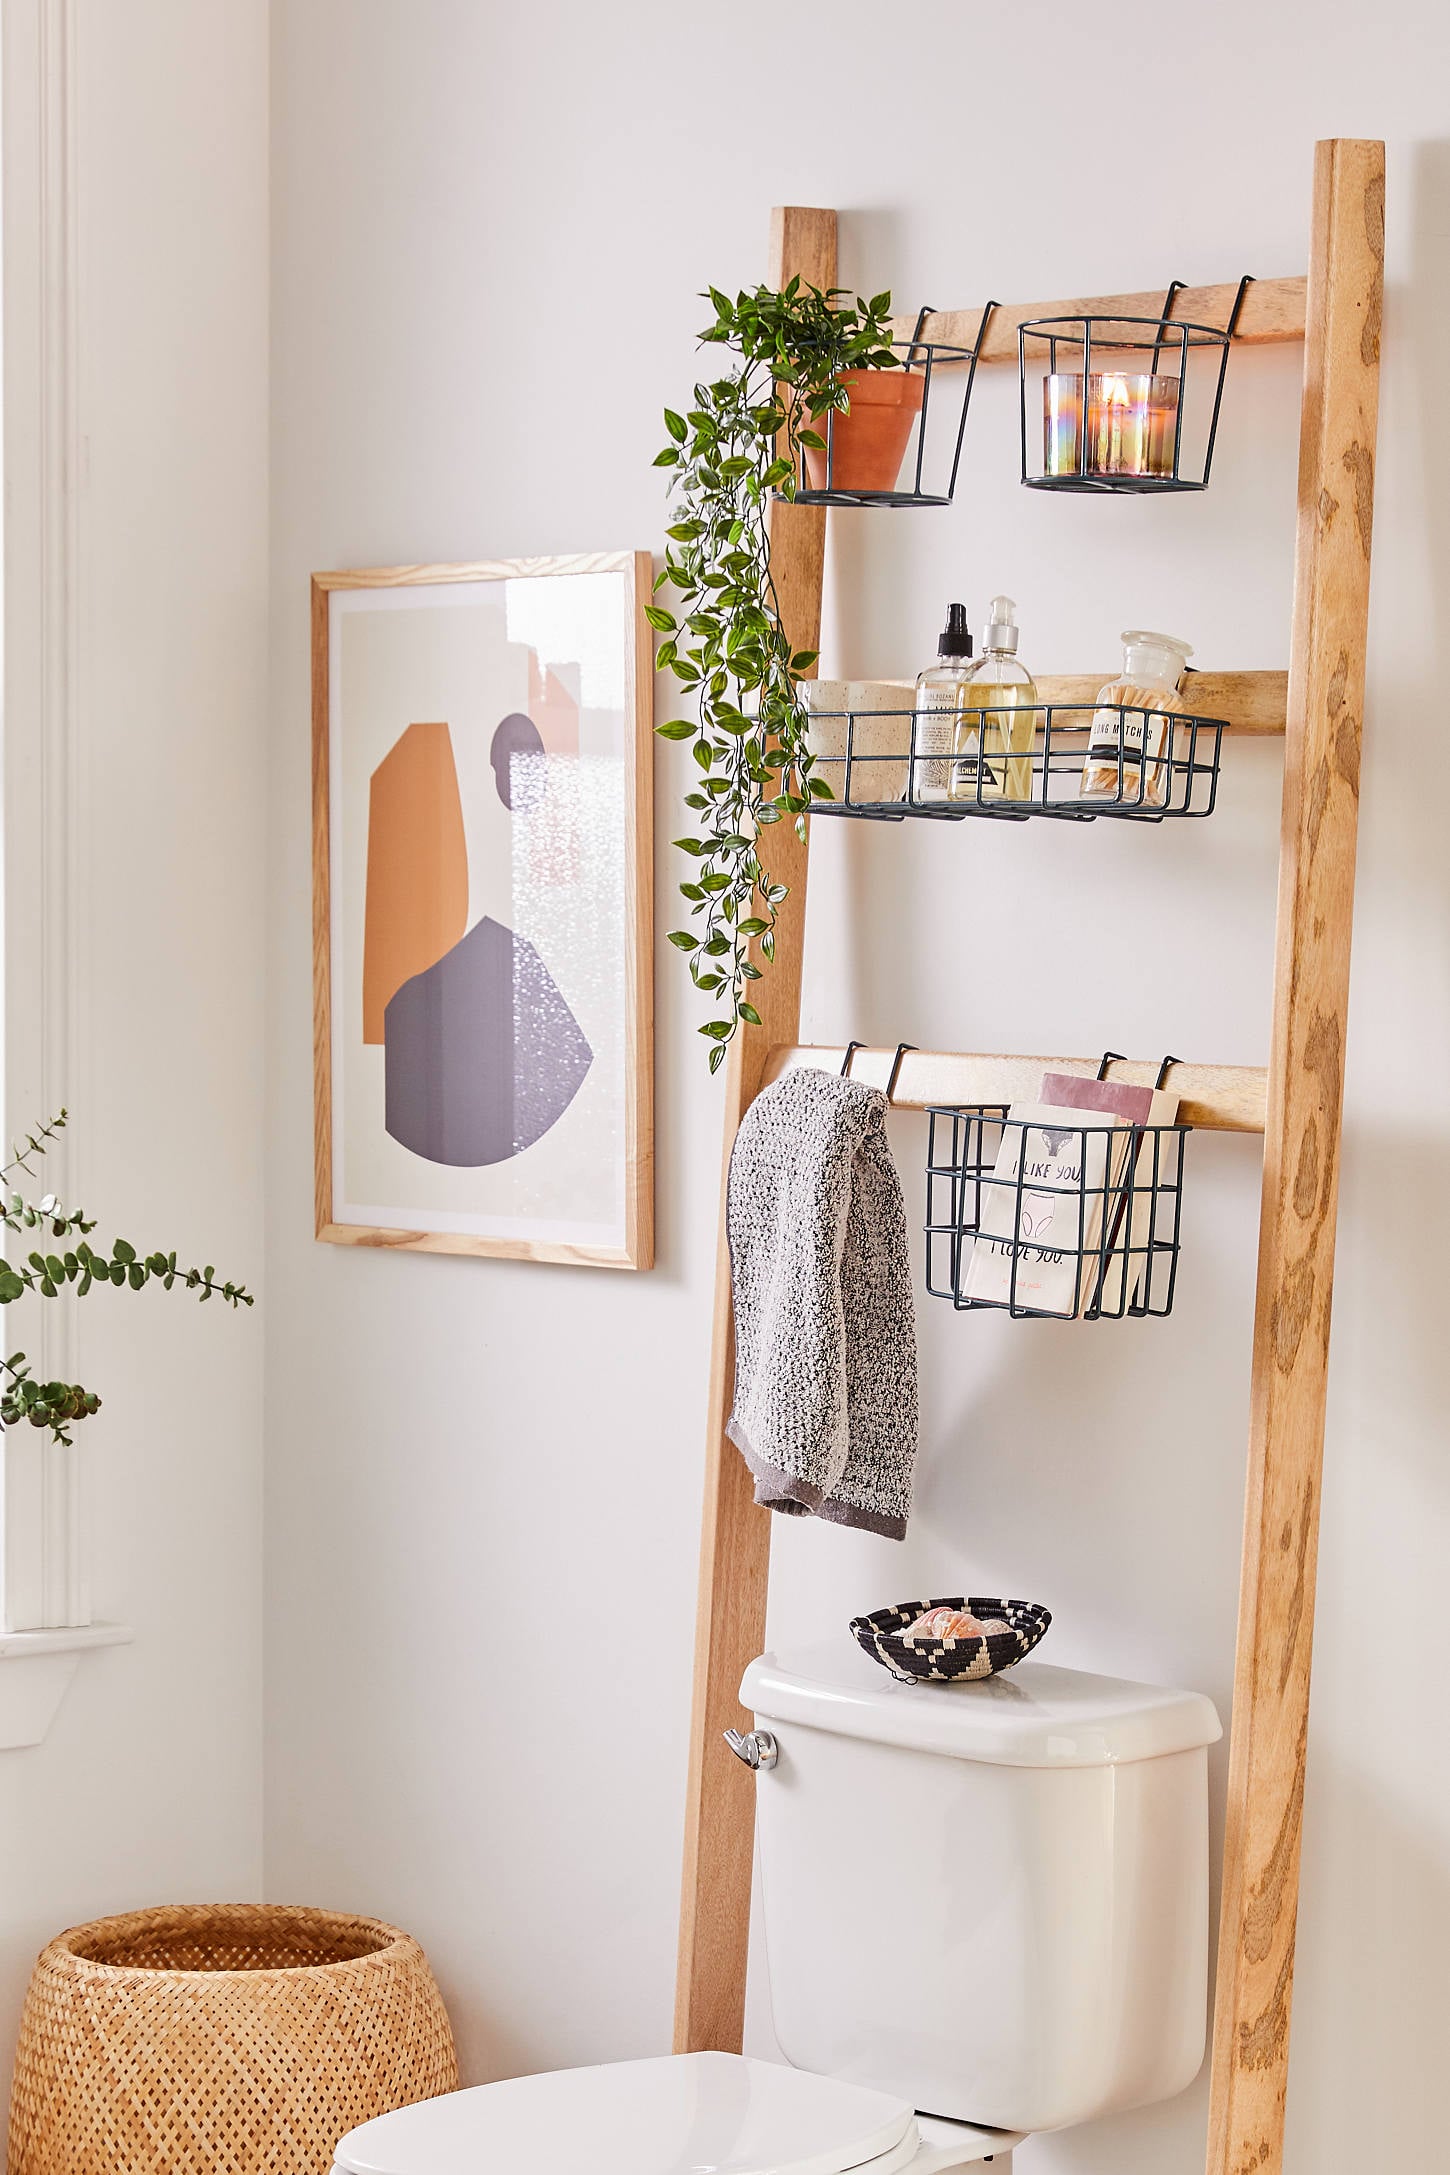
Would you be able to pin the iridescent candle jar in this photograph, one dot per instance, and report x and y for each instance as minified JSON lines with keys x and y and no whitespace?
{"x":1132,"y":424}
{"x":1062,"y":422}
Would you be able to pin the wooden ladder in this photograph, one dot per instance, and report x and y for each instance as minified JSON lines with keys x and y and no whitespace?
{"x":1295,"y":1102}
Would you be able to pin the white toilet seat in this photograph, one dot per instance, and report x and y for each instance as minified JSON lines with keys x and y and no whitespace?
{"x":679,"y":2114}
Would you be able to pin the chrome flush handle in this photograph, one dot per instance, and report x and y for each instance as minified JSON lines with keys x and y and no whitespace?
{"x":757,"y":1747}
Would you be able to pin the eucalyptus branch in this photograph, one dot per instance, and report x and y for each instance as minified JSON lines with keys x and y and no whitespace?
{"x":49,"y":1274}
{"x":738,"y":444}
{"x":43,"y":1404}
{"x":80,"y":1268}
{"x":35,"y":1144}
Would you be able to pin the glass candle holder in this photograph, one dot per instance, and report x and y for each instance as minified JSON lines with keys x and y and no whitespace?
{"x":1132,"y":424}
{"x":1061,"y":422}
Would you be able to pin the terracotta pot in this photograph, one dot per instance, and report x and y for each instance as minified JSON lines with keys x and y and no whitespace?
{"x":869,"y":443}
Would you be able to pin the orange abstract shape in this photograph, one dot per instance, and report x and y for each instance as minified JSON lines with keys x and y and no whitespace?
{"x":417,"y":883}
{"x":553,"y":709}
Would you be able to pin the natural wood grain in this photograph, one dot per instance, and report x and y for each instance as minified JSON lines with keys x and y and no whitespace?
{"x":321,"y":918}
{"x":735,"y":1536}
{"x":1301,"y":1163}
{"x":478,"y":570}
{"x":1249,"y":703}
{"x":639,"y":925}
{"x":455,"y":1242}
{"x":638,"y":1249}
{"x":1218,"y":1098}
{"x":1273,"y":310}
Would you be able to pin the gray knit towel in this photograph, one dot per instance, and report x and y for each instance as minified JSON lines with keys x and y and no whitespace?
{"x":825,"y":1329}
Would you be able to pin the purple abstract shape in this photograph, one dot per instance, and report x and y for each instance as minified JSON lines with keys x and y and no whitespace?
{"x":482,"y":1054}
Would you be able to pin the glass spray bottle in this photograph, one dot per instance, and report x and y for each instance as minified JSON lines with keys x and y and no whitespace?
{"x":938,"y":706}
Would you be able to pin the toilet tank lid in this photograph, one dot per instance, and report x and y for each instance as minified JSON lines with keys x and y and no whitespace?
{"x":1035,"y":1715}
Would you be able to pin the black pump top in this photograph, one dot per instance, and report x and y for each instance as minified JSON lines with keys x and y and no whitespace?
{"x":955,"y":638}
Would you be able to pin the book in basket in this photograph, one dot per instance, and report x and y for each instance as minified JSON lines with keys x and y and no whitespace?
{"x":1130,"y":1223}
{"x":1044,"y":1211}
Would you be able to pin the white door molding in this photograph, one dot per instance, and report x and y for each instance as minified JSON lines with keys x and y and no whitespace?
{"x":45,"y":847}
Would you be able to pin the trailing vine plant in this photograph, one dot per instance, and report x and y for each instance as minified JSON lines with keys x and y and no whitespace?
{"x":740,"y":442}
{"x":81,"y":1266}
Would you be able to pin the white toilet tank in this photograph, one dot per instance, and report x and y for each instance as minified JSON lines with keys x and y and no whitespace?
{"x":990,"y":1898}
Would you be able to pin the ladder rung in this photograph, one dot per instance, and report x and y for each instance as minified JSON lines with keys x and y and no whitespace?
{"x":1219,"y":1098}
{"x":1273,"y":310}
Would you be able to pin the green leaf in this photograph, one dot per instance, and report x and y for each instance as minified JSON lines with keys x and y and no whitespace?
{"x":675,"y":425}
{"x":804,"y":659}
{"x":683,"y":941}
{"x":668,"y":458}
{"x":748,"y":1012}
{"x":122,"y":1250}
{"x":661,"y":620}
{"x":717,"y":1030}
{"x":678,"y":728}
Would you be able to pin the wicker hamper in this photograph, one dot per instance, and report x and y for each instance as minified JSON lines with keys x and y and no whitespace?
{"x":227,"y":2039}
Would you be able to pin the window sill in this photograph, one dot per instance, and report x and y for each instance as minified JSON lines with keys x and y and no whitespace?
{"x":36,"y":1674}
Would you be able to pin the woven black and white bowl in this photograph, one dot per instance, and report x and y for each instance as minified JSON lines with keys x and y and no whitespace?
{"x":944,"y":1661}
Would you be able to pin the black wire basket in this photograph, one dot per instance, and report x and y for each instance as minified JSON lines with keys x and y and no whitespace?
{"x":900,"y":442}
{"x":1071,"y":761}
{"x":947,"y":1661}
{"x":1120,"y":407}
{"x":1052,"y":1222}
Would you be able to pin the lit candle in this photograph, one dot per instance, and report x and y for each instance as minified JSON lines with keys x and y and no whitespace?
{"x":1132,"y":424}
{"x":1061,"y":423}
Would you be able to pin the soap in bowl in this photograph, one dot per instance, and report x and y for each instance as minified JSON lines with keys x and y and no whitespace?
{"x":922,"y":1660}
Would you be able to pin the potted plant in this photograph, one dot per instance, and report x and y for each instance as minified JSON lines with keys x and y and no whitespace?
{"x":805,"y":356}
{"x":81,"y":1267}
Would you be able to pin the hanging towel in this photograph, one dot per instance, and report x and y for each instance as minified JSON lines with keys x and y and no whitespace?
{"x":825,"y":1330}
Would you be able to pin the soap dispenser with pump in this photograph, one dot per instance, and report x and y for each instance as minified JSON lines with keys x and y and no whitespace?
{"x":999,"y":717}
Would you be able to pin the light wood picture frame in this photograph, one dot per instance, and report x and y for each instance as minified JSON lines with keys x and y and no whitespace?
{"x":482,"y":909}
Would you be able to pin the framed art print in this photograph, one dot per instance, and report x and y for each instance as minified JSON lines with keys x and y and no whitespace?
{"x":481,"y":826}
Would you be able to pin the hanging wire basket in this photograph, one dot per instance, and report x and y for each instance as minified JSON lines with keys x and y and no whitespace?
{"x":1113,"y":394}
{"x":900,"y":441}
{"x":1073,"y":761}
{"x":1050,"y":1222}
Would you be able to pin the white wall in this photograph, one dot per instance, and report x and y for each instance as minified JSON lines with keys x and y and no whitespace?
{"x":148,"y":1788}
{"x":489,"y":228}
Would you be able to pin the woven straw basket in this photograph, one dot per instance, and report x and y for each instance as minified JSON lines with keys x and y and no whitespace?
{"x":229,"y":2039}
